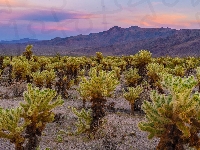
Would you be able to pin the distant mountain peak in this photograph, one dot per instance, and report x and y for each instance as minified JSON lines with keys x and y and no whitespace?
{"x":114,"y":28}
{"x":24,"y":40}
{"x":118,"y":41}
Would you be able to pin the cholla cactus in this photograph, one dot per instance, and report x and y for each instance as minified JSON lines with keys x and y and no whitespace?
{"x":99,"y":85}
{"x":84,"y":120}
{"x":6,"y":61}
{"x":43,"y":61}
{"x":49,"y":77}
{"x":28,"y":53}
{"x":117,"y":71}
{"x":38,"y":78}
{"x":190,"y":64}
{"x":178,"y":71}
{"x":35,"y":66}
{"x":44,"y":78}
{"x":11,"y":128}
{"x":131,"y":77}
{"x":132,"y":95}
{"x":20,"y":68}
{"x":63,"y":84}
{"x":198,"y":76}
{"x":174,"y":118}
{"x":140,"y":60}
{"x":153,"y":71}
{"x":38,"y":109}
{"x":99,"y":57}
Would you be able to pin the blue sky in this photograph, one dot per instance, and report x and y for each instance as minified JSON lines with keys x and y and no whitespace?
{"x":47,"y":19}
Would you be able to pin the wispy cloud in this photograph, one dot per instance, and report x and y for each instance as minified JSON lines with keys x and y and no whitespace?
{"x":170,"y":20}
{"x":45,"y":15}
{"x":49,"y":16}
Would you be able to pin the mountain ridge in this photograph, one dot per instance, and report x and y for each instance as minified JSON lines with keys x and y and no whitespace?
{"x":118,"y":41}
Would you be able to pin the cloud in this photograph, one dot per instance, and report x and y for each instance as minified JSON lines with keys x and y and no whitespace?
{"x":14,"y":3}
{"x":161,"y":20}
{"x":52,"y":16}
{"x":45,"y":15}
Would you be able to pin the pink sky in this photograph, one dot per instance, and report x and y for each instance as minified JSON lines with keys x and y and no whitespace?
{"x":47,"y":19}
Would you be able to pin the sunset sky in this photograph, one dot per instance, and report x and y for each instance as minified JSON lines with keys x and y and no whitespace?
{"x":47,"y":19}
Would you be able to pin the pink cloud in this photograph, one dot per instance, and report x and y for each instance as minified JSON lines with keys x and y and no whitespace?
{"x":45,"y":15}
{"x":162,"y":20}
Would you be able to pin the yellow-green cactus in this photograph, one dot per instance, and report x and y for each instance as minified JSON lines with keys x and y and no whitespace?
{"x":28,"y":53}
{"x":6,"y":61}
{"x":84,"y":120}
{"x":99,"y":57}
{"x":20,"y":68}
{"x":178,"y":71}
{"x":96,"y":88}
{"x":132,"y":95}
{"x":11,"y":128}
{"x":37,"y":108}
{"x":100,"y":84}
{"x":198,"y":76}
{"x":38,"y":78}
{"x":132,"y":77}
{"x":174,"y":118}
{"x":153,"y":71}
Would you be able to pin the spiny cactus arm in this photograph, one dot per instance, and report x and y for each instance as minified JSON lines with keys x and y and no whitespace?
{"x":84,"y":119}
{"x":20,"y":67}
{"x":155,"y":125}
{"x":141,"y":58}
{"x":117,"y":71}
{"x":153,"y":71}
{"x":184,"y":104}
{"x":34,"y":66}
{"x":38,"y":104}
{"x":180,"y":89}
{"x":178,"y":71}
{"x":110,"y":82}
{"x":56,"y":103}
{"x":38,"y":78}
{"x":28,"y":53}
{"x":10,"y":126}
{"x":158,"y":114}
{"x":189,"y":110}
{"x":191,"y":62}
{"x":153,"y":115}
{"x":49,"y":77}
{"x":99,"y":84}
{"x":131,"y":76}
{"x":133,"y":93}
{"x":84,"y":88}
{"x":182,"y":126}
{"x":198,"y":74}
{"x":150,"y":127}
{"x":6,"y":61}
{"x":178,"y":84}
{"x":41,"y":99}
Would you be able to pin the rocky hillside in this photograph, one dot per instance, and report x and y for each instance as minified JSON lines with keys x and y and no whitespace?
{"x":117,"y":41}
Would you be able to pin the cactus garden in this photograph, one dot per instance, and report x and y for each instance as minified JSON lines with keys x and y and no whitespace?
{"x":134,"y":102}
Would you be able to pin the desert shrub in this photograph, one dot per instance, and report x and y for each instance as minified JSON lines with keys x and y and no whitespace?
{"x":96,"y":88}
{"x":27,"y":121}
{"x":132,"y":95}
{"x":174,"y":117}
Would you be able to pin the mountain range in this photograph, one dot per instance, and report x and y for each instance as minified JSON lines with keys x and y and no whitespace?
{"x":115,"y":41}
{"x":25,"y":40}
